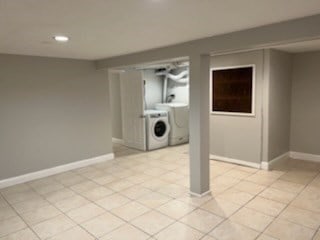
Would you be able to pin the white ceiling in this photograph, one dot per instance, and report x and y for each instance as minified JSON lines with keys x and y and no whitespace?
{"x":305,"y":46}
{"x":105,"y":28}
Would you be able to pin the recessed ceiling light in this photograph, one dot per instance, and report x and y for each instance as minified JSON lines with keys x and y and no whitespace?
{"x":60,"y":38}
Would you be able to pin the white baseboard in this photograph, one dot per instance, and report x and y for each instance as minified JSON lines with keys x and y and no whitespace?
{"x":305,"y":156}
{"x":55,"y":170}
{"x":117,"y":140}
{"x":200,"y":195}
{"x":270,"y":164}
{"x":236,"y":161}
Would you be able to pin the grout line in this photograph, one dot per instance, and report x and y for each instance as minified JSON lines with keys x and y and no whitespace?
{"x":18,"y":214}
{"x":156,"y":191}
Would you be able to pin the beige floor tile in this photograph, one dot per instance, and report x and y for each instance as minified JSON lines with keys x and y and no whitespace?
{"x":261,"y":179}
{"x":152,"y":222}
{"x":59,"y":195}
{"x":30,"y":205}
{"x":155,"y":171}
{"x":70,"y":203}
{"x":3,"y":203}
{"x":103,"y":224}
{"x":17,"y":197}
{"x":176,"y":209}
{"x":299,"y":176}
{"x":126,"y":231}
{"x":249,"y":187}
{"x":266,"y":206}
{"x":52,"y":187}
{"x":72,"y":180}
{"x":251,"y":218}
{"x":195,"y":201}
{"x":173,"y":190}
{"x":207,"y":237}
{"x":135,"y":192}
{"x":179,"y":231}
{"x":221,"y":207}
{"x":25,"y":234}
{"x":266,"y":237}
{"x":6,"y":212}
{"x":154,"y":184}
{"x":53,"y":226}
{"x":277,"y":195}
{"x":288,"y":186}
{"x":153,"y":199}
{"x":11,"y":225}
{"x":285,"y":230}
{"x":139,"y":178}
{"x":317,"y":236}
{"x":309,"y":200}
{"x":102,"y":180}
{"x":303,"y":217}
{"x":123,"y":174}
{"x":235,"y":196}
{"x":202,"y":220}
{"x":231,"y":231}
{"x":40,"y":214}
{"x":119,"y":185}
{"x":85,"y":212}
{"x":84,"y":186}
{"x":225,"y":180}
{"x":171,"y":177}
{"x":15,"y":189}
{"x":76,"y":233}
{"x":130,"y":211}
{"x":97,"y":193}
{"x":236,"y":173}
{"x":112,"y":201}
{"x":93,"y":174}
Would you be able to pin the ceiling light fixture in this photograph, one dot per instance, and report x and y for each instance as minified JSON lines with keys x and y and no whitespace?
{"x":60,"y":38}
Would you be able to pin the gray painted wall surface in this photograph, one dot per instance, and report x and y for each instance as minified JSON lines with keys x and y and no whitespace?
{"x":53,"y":112}
{"x":279,"y":103}
{"x":239,"y":137}
{"x":115,"y":103}
{"x":305,"y":111}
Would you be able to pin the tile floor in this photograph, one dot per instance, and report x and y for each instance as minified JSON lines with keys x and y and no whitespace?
{"x":145,"y":196}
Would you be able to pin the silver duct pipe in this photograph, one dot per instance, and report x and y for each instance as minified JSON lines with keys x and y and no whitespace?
{"x":178,"y":76}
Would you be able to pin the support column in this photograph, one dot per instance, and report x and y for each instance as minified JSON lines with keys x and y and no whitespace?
{"x":199,"y":125}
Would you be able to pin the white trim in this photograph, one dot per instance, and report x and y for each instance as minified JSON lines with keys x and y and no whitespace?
{"x":200,"y":195}
{"x":55,"y":170}
{"x":305,"y":156}
{"x":268,"y":165}
{"x":117,"y":140}
{"x":236,"y":161}
{"x":253,"y":99}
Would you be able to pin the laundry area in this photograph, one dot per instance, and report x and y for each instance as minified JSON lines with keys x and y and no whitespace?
{"x":150,"y":105}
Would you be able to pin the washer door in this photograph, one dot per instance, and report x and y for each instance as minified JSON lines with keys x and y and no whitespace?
{"x":160,"y":129}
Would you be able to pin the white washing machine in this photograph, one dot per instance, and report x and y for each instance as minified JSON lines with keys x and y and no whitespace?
{"x":179,"y":121}
{"x":158,"y":128}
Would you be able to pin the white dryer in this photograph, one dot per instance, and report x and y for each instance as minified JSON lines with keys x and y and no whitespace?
{"x":157,"y":129}
{"x":179,"y":121}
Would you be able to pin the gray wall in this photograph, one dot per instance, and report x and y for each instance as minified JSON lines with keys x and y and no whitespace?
{"x":305,"y":111}
{"x":115,"y":103}
{"x":239,"y":137}
{"x":53,"y":112}
{"x":279,"y":103}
